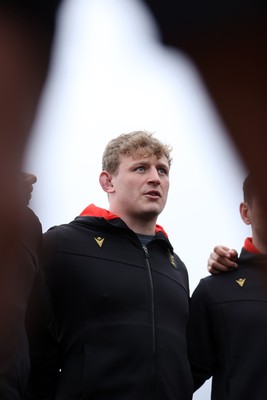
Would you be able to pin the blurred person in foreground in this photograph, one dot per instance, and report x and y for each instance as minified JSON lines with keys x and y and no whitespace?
{"x":26,"y":35}
{"x":227,"y":327}
{"x":226,"y":41}
{"x":17,"y":276}
{"x":112,"y":314}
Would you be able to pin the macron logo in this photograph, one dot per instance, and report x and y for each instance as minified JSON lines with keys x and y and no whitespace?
{"x":241,"y":281}
{"x":99,"y":241}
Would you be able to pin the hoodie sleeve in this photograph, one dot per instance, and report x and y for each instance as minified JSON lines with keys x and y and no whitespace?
{"x":201,"y":349}
{"x":19,"y":264}
{"x":43,"y":343}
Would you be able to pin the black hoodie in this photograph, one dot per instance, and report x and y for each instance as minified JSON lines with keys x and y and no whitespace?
{"x":115,"y":320}
{"x":228,"y":329}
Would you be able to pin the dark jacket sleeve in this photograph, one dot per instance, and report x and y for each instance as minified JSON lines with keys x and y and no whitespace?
{"x":16,"y":278}
{"x":43,"y":343}
{"x":201,"y":349}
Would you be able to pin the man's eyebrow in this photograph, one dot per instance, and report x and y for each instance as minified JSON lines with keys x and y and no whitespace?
{"x":146,"y":163}
{"x":163,"y":165}
{"x":141,"y":161}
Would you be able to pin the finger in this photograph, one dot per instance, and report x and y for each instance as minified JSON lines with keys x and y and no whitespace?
{"x":222,"y":259}
{"x":221,"y":266}
{"x":222,"y":251}
{"x":233,"y":253}
{"x":226,"y":262}
{"x":213,"y":270}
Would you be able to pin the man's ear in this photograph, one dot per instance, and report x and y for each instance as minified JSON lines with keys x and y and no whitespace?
{"x":105,"y":180}
{"x":245,"y":213}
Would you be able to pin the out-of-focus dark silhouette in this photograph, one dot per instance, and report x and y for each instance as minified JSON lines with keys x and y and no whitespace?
{"x":227,"y":41}
{"x":26,"y":34}
{"x":18,"y":269}
{"x":26,"y":37}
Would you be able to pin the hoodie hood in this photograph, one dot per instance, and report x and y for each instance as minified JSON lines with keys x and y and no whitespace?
{"x":94,"y":211}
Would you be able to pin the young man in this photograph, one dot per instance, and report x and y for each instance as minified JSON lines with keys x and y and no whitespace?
{"x":112,"y":323}
{"x":228,"y":315}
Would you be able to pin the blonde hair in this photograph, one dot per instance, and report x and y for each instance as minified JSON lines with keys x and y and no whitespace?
{"x":127,"y":144}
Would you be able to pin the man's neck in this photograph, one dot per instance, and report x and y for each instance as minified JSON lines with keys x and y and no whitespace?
{"x":142,"y":226}
{"x":260,"y":245}
{"x":145,"y":239}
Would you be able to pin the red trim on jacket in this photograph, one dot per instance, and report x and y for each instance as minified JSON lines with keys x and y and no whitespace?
{"x":94,"y":211}
{"x":249,"y":246}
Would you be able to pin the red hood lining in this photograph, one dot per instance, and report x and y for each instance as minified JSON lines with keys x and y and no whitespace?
{"x":94,"y":211}
{"x":249,"y":246}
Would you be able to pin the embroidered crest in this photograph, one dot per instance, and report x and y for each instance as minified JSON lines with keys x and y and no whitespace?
{"x":172,"y":260}
{"x":99,"y":241}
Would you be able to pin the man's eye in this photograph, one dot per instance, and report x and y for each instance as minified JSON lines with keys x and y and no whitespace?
{"x":162,"y":171}
{"x":141,"y":168}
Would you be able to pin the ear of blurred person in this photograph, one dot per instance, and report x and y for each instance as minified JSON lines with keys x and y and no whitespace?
{"x":227,"y":42}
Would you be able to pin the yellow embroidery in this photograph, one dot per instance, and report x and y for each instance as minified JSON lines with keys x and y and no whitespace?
{"x":241,"y":281}
{"x":99,"y":241}
{"x":172,"y":260}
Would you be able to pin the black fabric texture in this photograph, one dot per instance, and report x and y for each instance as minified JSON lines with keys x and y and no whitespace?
{"x":114,"y":316}
{"x":228,"y":328}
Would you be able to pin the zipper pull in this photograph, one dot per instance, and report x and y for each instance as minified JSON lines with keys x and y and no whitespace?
{"x":145,"y":251}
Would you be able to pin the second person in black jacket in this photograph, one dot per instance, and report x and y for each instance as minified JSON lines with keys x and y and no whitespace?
{"x":228,"y":315}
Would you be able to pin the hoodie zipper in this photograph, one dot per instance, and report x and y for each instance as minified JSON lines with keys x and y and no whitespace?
{"x":153,"y":324}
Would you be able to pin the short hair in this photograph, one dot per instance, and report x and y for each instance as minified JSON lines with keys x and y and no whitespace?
{"x":137,"y":142}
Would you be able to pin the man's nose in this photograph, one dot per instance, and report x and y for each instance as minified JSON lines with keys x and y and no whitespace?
{"x":154,"y":176}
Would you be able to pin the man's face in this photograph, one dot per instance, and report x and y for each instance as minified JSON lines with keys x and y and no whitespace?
{"x":140,"y":187}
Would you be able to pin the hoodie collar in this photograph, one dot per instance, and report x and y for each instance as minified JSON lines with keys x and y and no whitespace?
{"x":249,"y":246}
{"x":94,"y":211}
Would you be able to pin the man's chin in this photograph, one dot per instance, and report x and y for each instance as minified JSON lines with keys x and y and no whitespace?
{"x":151,"y":213}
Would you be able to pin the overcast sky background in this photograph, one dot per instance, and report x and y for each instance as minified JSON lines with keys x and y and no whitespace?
{"x":110,"y":75}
